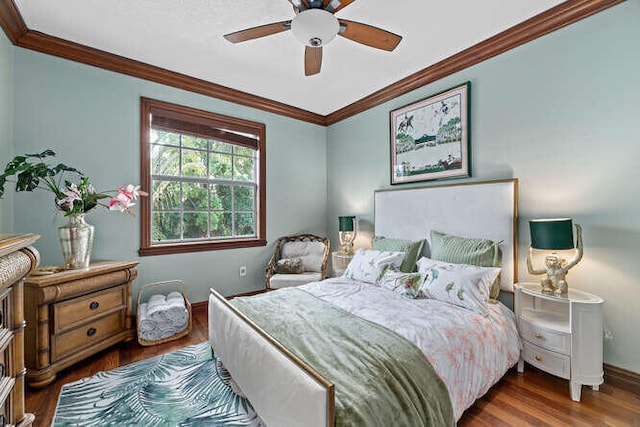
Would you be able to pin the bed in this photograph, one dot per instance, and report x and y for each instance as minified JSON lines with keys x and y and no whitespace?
{"x":468,"y":352}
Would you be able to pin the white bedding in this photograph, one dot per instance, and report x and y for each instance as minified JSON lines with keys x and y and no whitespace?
{"x":468,"y":351}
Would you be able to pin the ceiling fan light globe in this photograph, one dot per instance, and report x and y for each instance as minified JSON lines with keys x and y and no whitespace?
{"x":315,"y":27}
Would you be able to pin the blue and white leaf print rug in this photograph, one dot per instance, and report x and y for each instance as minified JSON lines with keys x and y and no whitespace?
{"x":187,"y":387}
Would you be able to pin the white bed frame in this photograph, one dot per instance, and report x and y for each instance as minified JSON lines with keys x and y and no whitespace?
{"x":282,"y":388}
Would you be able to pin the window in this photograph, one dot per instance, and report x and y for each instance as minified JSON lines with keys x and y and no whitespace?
{"x":205,"y":174}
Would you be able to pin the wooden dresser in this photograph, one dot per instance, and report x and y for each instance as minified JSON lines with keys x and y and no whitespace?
{"x":74,"y":314}
{"x":17,"y":259}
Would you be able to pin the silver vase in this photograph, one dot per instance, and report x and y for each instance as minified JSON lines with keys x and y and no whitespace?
{"x":76,"y":240}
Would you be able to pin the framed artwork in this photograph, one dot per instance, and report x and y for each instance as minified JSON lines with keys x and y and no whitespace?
{"x":430,"y":138}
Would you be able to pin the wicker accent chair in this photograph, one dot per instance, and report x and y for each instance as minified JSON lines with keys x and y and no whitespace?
{"x":313,"y":251}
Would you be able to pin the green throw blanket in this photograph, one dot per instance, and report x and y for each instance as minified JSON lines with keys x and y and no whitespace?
{"x":381,"y":379}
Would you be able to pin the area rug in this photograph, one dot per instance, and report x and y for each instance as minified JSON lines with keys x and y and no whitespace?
{"x":188,"y":387}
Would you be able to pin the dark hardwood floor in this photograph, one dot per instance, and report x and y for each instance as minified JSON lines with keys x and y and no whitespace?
{"x":533,"y":398}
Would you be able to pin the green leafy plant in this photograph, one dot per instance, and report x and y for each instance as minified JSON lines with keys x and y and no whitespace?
{"x":31,"y":172}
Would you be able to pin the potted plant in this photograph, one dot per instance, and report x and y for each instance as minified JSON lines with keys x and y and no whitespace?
{"x":73,"y":197}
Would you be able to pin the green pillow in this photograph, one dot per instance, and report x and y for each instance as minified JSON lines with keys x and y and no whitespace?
{"x":411,"y":249}
{"x":289,"y":266}
{"x":463,"y":250}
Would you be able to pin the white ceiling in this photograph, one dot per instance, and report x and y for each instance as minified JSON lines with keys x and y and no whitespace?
{"x":185,"y":36}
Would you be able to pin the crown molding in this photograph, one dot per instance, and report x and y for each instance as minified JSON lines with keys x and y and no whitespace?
{"x":11,"y":21}
{"x":15,"y":28}
{"x":546,"y":22}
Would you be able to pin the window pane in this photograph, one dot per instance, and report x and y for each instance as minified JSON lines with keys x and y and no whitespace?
{"x":194,"y":163}
{"x":195,"y":196}
{"x":189,"y":141}
{"x":244,"y":224}
{"x":220,"y":166}
{"x":162,"y":137}
{"x":166,"y":195}
{"x":221,"y":198}
{"x":244,"y":198}
{"x":221,"y":147}
{"x":243,"y":151}
{"x":243,"y":169}
{"x":166,"y":226}
{"x":195,"y":225}
{"x":220,"y":224}
{"x":165,"y":160}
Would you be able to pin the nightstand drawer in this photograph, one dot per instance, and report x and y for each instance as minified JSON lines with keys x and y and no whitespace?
{"x":87,"y":335}
{"x":554,"y":363}
{"x":70,"y":313}
{"x":549,"y":339}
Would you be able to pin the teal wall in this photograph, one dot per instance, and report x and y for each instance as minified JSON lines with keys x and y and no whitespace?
{"x":6,"y":125}
{"x":562,"y":114}
{"x":90,"y":117}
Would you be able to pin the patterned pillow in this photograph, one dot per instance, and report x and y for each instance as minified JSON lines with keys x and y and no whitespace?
{"x":412,"y":250}
{"x":289,"y":266}
{"x":367,"y":265}
{"x":459,"y":284}
{"x":464,"y":250}
{"x":406,"y":284}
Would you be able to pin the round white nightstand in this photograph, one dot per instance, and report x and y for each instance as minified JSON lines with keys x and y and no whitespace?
{"x":561,"y":334}
{"x":340,"y":261}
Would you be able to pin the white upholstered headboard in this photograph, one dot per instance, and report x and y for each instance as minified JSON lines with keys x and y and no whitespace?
{"x":486,"y":209}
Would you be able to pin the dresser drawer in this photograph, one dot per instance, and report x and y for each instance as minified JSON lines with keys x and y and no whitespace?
{"x":549,"y":361}
{"x":550,"y":339}
{"x":87,"y":335}
{"x":71,"y":313}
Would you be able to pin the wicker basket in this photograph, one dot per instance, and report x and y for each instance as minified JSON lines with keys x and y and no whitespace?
{"x":183,"y":289}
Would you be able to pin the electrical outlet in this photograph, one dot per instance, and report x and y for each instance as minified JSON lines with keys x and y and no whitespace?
{"x":243,"y":270}
{"x":608,"y":335}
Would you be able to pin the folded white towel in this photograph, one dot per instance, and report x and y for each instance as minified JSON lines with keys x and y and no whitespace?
{"x":144,"y":323}
{"x":157,"y":308}
{"x":152,"y":335}
{"x":174,"y":295}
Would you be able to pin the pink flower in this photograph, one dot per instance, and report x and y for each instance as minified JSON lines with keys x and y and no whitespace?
{"x":131,"y":191}
{"x":121,"y":202}
{"x":72,"y":194}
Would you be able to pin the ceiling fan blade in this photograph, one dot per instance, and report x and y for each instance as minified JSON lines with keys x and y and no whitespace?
{"x":257,"y":32}
{"x":369,"y":35}
{"x":334,"y":6}
{"x":312,"y":60}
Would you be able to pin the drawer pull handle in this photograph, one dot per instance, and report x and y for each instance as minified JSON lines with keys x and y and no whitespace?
{"x":94,"y":305}
{"x":91,"y":332}
{"x":538,"y":358}
{"x":537,"y":335}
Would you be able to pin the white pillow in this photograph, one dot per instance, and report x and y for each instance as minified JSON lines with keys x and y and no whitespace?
{"x":406,"y":284}
{"x":367,"y":265}
{"x":459,"y":284}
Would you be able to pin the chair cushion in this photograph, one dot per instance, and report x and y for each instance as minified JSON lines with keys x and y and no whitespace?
{"x":311,"y":253}
{"x":278,"y":281}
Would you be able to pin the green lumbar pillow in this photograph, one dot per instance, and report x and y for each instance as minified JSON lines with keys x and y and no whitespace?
{"x":472,"y":251}
{"x":411,"y":249}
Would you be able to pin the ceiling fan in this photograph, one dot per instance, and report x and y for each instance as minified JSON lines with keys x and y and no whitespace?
{"x":315,"y":26}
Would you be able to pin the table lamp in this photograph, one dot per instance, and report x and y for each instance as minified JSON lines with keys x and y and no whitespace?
{"x":347,"y":233}
{"x":554,"y":235}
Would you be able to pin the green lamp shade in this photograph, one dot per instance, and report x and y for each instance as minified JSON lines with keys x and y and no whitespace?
{"x":346,"y":223}
{"x":552,"y":234}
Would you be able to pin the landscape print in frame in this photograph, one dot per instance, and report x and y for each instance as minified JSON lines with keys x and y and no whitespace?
{"x":430,"y":138}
